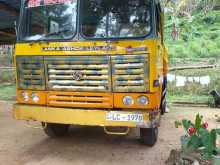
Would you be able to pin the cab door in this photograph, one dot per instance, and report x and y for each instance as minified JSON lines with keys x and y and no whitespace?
{"x":160,"y":44}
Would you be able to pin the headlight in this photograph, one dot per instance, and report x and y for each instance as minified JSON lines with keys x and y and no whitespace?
{"x":25,"y":96}
{"x":35,"y":97}
{"x":143,"y":100}
{"x":128,"y":100}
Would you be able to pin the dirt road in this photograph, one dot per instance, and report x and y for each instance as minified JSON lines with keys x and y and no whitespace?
{"x":20,"y":145}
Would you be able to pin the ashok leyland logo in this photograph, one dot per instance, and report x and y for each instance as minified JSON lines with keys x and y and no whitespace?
{"x":77,"y":75}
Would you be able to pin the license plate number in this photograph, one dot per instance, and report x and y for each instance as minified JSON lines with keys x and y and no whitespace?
{"x":118,"y":116}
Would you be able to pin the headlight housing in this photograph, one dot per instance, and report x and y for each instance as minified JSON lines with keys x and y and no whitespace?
{"x":128,"y":100}
{"x":143,"y":100}
{"x":25,"y":96}
{"x":32,"y":97}
{"x":35,"y":98}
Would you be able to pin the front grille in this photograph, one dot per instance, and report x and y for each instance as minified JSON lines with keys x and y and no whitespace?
{"x":130,"y":73}
{"x":30,"y":73}
{"x":122,"y":73}
{"x":84,"y":73}
{"x":80,"y":100}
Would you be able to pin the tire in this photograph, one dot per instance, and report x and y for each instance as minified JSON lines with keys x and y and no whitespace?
{"x":55,"y":130}
{"x":148,"y":136}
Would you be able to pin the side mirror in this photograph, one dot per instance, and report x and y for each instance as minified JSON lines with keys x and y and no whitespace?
{"x":16,"y":29}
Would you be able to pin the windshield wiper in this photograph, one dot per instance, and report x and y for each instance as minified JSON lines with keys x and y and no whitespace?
{"x":53,"y":33}
{"x":40,"y":38}
{"x":56,"y":33}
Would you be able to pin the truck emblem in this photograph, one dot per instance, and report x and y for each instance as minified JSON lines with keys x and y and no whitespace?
{"x":77,"y":75}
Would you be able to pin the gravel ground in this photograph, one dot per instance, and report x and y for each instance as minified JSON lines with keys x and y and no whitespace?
{"x":21,"y":145}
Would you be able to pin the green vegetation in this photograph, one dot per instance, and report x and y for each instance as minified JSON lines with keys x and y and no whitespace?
{"x":7,"y":92}
{"x":192,"y":34}
{"x":7,"y":76}
{"x":6,"y":60}
{"x":193,"y":99}
{"x":194,"y":92}
{"x":198,"y":138}
{"x":198,"y":38}
{"x":198,"y":35}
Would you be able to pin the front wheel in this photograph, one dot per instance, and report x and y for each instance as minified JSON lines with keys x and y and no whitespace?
{"x":55,"y":130}
{"x":148,"y":136}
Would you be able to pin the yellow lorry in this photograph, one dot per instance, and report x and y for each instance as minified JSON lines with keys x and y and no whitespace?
{"x":91,"y":62}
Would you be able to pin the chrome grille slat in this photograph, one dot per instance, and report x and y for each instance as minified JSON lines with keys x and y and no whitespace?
{"x":71,"y":71}
{"x":133,"y":65}
{"x":82,"y":83}
{"x":87,"y":77}
{"x":129,"y":77}
{"x":77,"y":66}
{"x":95,"y":70}
{"x":130,"y":73}
{"x":129,"y":82}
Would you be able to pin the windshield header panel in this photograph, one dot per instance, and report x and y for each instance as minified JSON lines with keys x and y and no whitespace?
{"x":48,"y":20}
{"x":116,"y":18}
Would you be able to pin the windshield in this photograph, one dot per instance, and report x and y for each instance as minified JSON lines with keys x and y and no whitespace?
{"x":48,"y":19}
{"x":115,"y":18}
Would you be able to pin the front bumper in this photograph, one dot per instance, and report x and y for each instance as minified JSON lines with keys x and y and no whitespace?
{"x":87,"y":117}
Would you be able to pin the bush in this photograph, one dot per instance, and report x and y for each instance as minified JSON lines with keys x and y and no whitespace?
{"x":199,"y":138}
{"x":199,"y":36}
{"x":7,"y":76}
{"x":194,"y":92}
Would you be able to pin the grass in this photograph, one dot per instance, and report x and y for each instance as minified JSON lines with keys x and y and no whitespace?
{"x":194,"y":99}
{"x":7,"y":92}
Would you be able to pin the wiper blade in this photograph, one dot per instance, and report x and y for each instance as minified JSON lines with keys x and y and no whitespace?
{"x":37,"y":38}
{"x":55,"y":33}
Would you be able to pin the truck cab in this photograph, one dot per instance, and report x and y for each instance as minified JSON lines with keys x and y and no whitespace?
{"x":93,"y":63}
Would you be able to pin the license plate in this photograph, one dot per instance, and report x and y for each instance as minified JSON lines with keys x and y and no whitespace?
{"x":120,"y":116}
